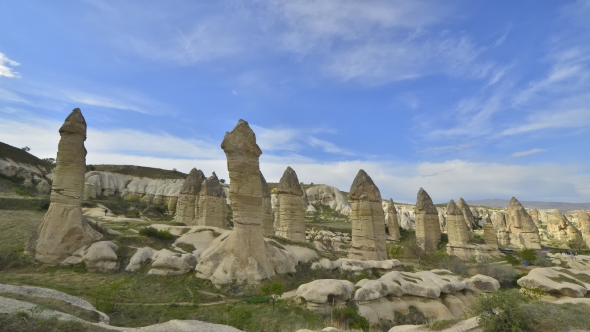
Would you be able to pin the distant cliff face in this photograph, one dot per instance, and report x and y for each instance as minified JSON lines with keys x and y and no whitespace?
{"x":18,"y":163}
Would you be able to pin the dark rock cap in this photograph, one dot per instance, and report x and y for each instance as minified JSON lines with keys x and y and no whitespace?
{"x":453,"y":209}
{"x":289,"y":183}
{"x":363,"y":185}
{"x":192,"y":184}
{"x":424,"y":203}
{"x":74,"y":124}
{"x":241,"y":140}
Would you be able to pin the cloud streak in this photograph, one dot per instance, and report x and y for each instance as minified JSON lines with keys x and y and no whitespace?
{"x":7,"y":67}
{"x":527,"y":152}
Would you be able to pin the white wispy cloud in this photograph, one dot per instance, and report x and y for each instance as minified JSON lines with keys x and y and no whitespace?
{"x":9,"y":96}
{"x":550,"y":120}
{"x":295,"y":139}
{"x":527,"y":152}
{"x":401,"y":181}
{"x":7,"y":67}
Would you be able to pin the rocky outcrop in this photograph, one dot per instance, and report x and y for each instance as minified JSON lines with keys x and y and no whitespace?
{"x":291,"y":207}
{"x":583,"y":219}
{"x":368,"y":220}
{"x":427,"y":225}
{"x":557,"y":281}
{"x":522,"y":230}
{"x":561,"y":229}
{"x":168,"y":263}
{"x":437,"y":294}
{"x":187,"y":203}
{"x":467,"y":214}
{"x":499,"y":220}
{"x":63,"y":230}
{"x":456,"y":227}
{"x":489,"y":234}
{"x":534,"y":213}
{"x":98,"y":257}
{"x":391,"y":220}
{"x":268,"y":217}
{"x":331,"y":196}
{"x":407,"y":216}
{"x":242,"y":254}
{"x":212,"y":203}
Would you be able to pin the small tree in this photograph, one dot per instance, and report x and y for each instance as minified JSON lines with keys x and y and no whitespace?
{"x":26,"y":148}
{"x":222,"y":180}
{"x":274,"y":290}
{"x":528,"y":255}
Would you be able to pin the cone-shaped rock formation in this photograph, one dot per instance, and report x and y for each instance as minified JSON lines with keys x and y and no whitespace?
{"x":212,"y":203}
{"x":467,"y":214}
{"x":489,"y":234}
{"x":186,"y":205}
{"x":291,"y":207}
{"x":368,"y":220}
{"x":427,"y":225}
{"x":267,"y":214}
{"x":456,"y":226}
{"x":63,"y":230}
{"x":392,"y":221}
{"x":522,"y":230}
{"x":243,"y":255}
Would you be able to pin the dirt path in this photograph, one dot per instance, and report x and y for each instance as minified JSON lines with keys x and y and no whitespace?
{"x":182,"y":304}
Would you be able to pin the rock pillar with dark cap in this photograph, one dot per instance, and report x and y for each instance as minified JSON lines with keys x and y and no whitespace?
{"x":368,"y":220}
{"x":212,"y":203}
{"x":243,"y":254}
{"x":63,"y":230}
{"x":267,"y":214}
{"x":392,"y":221}
{"x":456,"y":227}
{"x":186,"y":206}
{"x":427,"y":224}
{"x":291,"y":207}
{"x":467,"y":213}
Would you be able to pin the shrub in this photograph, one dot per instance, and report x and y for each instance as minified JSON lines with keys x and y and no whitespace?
{"x":152,"y":232}
{"x":512,"y":260}
{"x":543,"y":261}
{"x":505,"y":275}
{"x":452,"y":264}
{"x":273,"y":290}
{"x":349,"y":317}
{"x":502,"y":311}
{"x":528,"y":255}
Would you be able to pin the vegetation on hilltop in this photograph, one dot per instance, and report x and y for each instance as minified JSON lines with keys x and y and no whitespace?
{"x":22,"y":156}
{"x":139,"y":171}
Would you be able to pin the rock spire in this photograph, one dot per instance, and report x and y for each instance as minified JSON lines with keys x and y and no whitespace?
{"x":63,"y":230}
{"x":427,"y":224}
{"x":522,"y":230}
{"x":456,"y":226}
{"x":187,"y":203}
{"x":368,"y":220}
{"x":267,"y":213}
{"x":291,"y":207}
{"x":212,"y":203}
{"x":392,"y":221}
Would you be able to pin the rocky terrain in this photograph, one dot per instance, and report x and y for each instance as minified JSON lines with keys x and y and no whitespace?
{"x":136,"y":249}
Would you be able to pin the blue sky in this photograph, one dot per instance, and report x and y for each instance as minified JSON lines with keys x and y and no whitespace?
{"x":464,"y":98}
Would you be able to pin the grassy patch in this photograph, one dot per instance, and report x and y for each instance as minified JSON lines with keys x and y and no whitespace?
{"x":26,"y":204}
{"x":24,"y":323}
{"x":141,"y":171}
{"x":582,"y":277}
{"x":16,"y":226}
{"x":57,"y":305}
{"x":563,"y":278}
{"x":186,"y":247}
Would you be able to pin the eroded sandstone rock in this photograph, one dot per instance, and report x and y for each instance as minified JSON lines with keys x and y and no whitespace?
{"x":392,"y":221}
{"x":523,"y":231}
{"x":427,"y":225}
{"x":267,"y":213}
{"x":291,"y":207}
{"x":456,"y":227}
{"x":212,"y":203}
{"x":559,"y":227}
{"x":489,"y":234}
{"x":186,"y":205}
{"x":467,"y":214}
{"x":242,"y":254}
{"x":368,"y":220}
{"x":63,"y":230}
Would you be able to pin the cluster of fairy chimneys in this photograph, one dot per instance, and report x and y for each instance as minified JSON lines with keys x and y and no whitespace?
{"x":202,"y":201}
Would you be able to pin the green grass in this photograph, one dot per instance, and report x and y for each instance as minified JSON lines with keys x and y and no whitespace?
{"x":16,"y":226}
{"x":21,"y":156}
{"x":24,"y":204}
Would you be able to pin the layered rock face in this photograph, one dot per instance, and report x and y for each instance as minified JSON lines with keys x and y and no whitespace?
{"x":467,"y":214}
{"x":534,"y":213}
{"x":291,"y":207}
{"x":63,"y":230}
{"x":186,"y":206}
{"x":456,"y":227}
{"x":523,"y":231}
{"x":392,"y":221}
{"x":368,"y":221}
{"x":212,"y":206}
{"x":559,"y":227}
{"x":583,"y":219}
{"x":427,"y":225}
{"x":267,"y":213}
{"x":243,"y":255}
{"x":489,"y":234}
{"x":331,"y":196}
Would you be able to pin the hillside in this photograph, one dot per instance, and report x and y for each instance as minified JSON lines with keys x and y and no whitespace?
{"x":139,"y":171}
{"x":562,"y":206}
{"x":21,"y":156}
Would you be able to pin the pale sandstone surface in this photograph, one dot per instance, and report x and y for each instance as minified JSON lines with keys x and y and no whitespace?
{"x":324,"y":294}
{"x":489,"y":234}
{"x":368,"y":220}
{"x":291,"y":207}
{"x":101,"y":257}
{"x":559,"y":227}
{"x":557,"y":281}
{"x":391,"y":219}
{"x":212,"y":203}
{"x":168,"y":263}
{"x":467,"y":213}
{"x":331,"y":196}
{"x":406,"y":216}
{"x":186,"y":205}
{"x":267,"y":212}
{"x":243,"y":255}
{"x":522,"y":230}
{"x":63,"y":230}
{"x":427,"y":224}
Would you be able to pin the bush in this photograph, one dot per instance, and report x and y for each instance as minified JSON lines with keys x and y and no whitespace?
{"x":502,"y":311}
{"x":543,"y":261}
{"x":528,"y":255}
{"x":349,"y":317}
{"x":505,"y":275}
{"x":152,"y":232}
{"x":452,"y":264}
{"x":512,"y":260}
